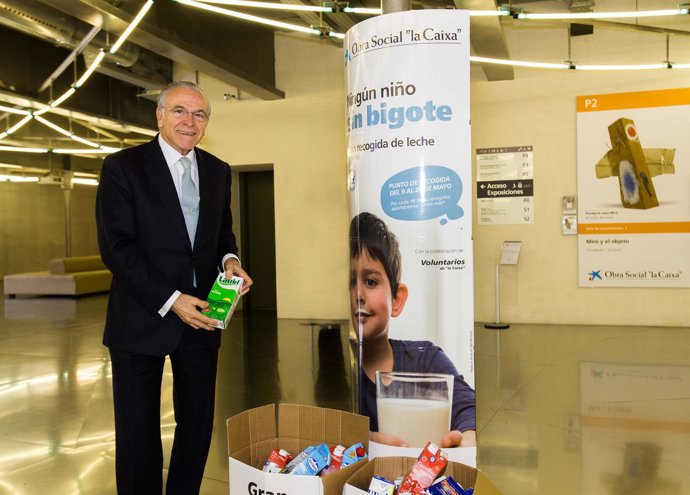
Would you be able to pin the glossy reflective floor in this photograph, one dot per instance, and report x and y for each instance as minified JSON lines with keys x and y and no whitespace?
{"x":561,"y":409}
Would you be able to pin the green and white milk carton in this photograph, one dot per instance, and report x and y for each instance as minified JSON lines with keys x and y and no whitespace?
{"x":223,"y":299}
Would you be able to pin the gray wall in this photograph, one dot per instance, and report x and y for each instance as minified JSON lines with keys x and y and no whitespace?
{"x":32,"y":225}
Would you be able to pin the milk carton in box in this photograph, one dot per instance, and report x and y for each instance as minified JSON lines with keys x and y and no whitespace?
{"x":391,"y":468}
{"x":223,"y":299}
{"x":253,"y":434}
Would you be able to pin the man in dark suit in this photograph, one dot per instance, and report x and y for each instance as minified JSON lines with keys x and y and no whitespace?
{"x":164,"y":229}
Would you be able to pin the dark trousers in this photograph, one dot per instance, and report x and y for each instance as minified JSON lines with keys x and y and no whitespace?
{"x":136,"y":395}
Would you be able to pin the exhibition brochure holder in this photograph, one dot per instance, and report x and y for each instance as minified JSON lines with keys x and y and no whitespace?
{"x":509,"y":256}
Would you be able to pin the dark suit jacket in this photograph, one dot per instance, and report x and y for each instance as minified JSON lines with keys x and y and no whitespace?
{"x":143,"y":241}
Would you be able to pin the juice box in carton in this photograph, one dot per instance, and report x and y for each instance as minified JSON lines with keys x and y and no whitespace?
{"x":223,"y":299}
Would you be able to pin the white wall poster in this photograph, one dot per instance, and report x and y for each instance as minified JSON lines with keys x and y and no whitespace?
{"x":633,"y":169}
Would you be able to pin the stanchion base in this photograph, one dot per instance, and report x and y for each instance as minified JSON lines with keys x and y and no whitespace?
{"x":497,"y":326}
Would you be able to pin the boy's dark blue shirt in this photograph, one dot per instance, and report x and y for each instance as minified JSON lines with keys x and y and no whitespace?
{"x":421,"y":356}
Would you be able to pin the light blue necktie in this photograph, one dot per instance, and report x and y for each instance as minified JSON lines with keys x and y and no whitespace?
{"x":189,"y":201}
{"x":189,"y":198}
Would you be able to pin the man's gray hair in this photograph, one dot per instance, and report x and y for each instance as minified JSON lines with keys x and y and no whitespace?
{"x":183,"y":84}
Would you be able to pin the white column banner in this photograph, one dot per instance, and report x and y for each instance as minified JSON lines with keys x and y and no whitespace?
{"x":410,"y":179}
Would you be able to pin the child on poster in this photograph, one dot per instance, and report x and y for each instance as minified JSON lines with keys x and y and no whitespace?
{"x":376,"y":295}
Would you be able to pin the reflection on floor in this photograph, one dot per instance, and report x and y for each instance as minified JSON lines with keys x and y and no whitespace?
{"x":585,"y":410}
{"x":561,"y":409}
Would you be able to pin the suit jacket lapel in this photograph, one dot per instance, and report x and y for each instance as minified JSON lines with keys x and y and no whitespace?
{"x":159,"y":174}
{"x":205,"y":189}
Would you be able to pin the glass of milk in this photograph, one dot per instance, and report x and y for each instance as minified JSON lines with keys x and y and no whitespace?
{"x":414,"y":406}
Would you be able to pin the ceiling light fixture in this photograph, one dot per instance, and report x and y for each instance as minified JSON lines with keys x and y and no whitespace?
{"x":490,"y":13}
{"x":362,"y":10}
{"x":99,"y":58}
{"x":600,"y":15}
{"x":84,"y":141}
{"x":70,"y":58}
{"x":570,"y":65}
{"x":333,"y":7}
{"x":131,"y":26}
{"x":55,"y":127}
{"x":65,"y":132}
{"x":62,"y":98}
{"x":84,"y":182}
{"x":327,"y":7}
{"x":17,"y":178}
{"x":204,"y":5}
{"x":500,"y":12}
{"x":18,"y":111}
{"x":98,"y":150}
{"x":109,"y":149}
{"x":623,"y":67}
{"x":248,"y":17}
{"x":55,"y":103}
{"x":16,"y":126}
{"x":21,"y":149}
{"x":518,"y":63}
{"x":272,"y":5}
{"x":84,"y":151}
{"x":94,"y":65}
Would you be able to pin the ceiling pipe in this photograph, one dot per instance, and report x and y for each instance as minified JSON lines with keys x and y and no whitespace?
{"x":52,"y":26}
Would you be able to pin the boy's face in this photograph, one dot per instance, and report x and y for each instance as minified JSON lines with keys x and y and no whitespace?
{"x":371,"y":299}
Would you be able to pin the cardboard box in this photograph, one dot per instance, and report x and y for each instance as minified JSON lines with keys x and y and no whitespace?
{"x":254,"y":433}
{"x":223,"y":299}
{"x":392,"y":467}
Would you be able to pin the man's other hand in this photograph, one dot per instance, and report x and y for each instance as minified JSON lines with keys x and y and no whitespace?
{"x":233,"y":267}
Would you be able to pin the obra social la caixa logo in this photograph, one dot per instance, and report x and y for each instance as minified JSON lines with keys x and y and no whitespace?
{"x":594,"y":275}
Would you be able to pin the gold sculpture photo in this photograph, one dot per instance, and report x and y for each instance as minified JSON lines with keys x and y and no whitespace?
{"x":633,"y":165}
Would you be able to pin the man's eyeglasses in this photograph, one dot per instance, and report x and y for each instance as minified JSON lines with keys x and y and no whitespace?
{"x":183,"y":113}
